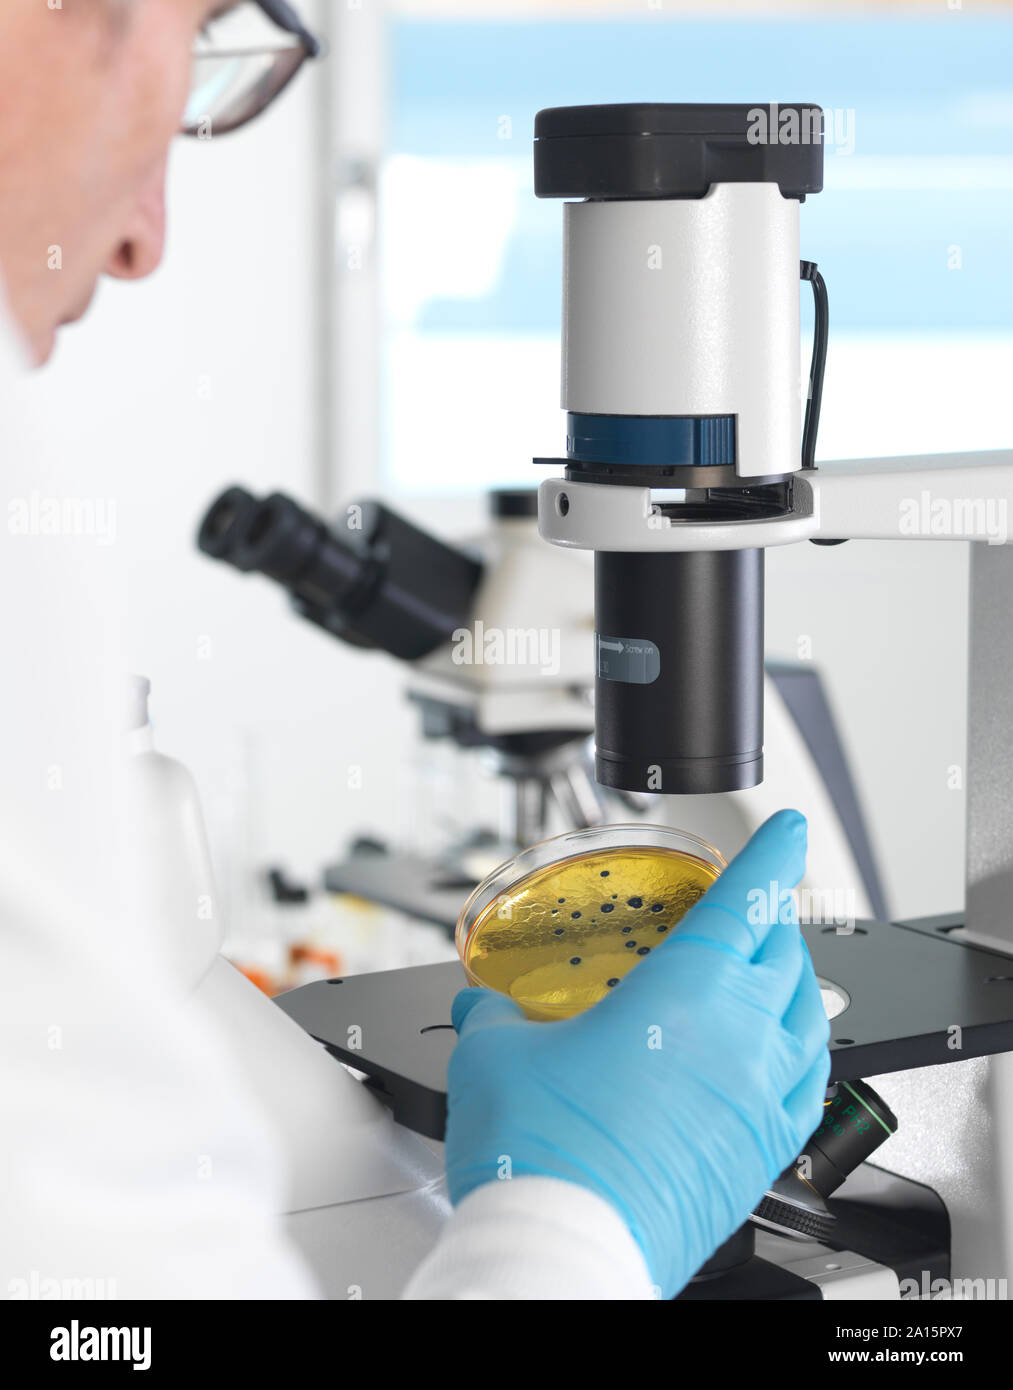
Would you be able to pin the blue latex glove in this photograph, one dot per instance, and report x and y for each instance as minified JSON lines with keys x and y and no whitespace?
{"x":680,"y":1096}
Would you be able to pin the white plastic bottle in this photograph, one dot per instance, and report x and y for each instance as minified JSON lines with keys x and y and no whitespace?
{"x":338,"y":1143}
{"x":175,"y":886}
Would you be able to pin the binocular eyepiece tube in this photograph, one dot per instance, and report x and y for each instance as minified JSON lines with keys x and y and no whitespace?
{"x":373,"y":579}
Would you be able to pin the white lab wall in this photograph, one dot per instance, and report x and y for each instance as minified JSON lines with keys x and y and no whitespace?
{"x":212,"y":373}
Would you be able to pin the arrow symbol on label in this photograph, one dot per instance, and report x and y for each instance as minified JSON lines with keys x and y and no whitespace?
{"x":610,"y":646}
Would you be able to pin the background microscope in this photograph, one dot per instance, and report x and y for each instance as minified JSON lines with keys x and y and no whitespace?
{"x":496,"y":637}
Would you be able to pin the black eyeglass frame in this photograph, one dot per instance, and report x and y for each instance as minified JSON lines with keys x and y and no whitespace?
{"x":285,"y":18}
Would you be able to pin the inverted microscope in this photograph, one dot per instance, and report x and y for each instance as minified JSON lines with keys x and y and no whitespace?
{"x":686,"y":458}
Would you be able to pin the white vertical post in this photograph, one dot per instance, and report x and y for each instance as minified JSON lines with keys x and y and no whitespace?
{"x":354,"y":143}
{"x":989,"y":914}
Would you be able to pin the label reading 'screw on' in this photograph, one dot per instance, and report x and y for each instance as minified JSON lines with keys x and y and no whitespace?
{"x":634,"y":660}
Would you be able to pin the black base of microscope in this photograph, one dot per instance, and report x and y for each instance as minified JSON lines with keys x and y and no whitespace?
{"x":919,"y":996}
{"x":889,"y":1221}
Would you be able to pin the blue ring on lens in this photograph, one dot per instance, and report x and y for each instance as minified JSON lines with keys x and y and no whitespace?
{"x":661,"y":441}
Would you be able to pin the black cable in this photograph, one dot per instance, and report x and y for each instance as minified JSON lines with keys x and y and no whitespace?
{"x":810,"y":271}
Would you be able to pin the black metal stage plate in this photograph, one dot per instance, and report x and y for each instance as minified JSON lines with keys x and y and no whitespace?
{"x":919,"y":996}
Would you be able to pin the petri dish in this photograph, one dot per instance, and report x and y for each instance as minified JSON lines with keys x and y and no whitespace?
{"x":561,"y":924}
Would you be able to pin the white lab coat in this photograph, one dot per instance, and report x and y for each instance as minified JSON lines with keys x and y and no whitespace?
{"x":134,"y":1161}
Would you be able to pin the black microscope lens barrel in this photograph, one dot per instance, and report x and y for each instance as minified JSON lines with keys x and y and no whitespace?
{"x":855,"y":1123}
{"x":679,"y":679}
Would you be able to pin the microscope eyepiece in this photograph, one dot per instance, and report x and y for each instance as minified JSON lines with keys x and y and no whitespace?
{"x":288,"y":544}
{"x":225,"y":522}
{"x":372,"y":579}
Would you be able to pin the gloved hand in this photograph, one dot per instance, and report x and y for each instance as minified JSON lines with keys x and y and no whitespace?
{"x":680,"y":1096}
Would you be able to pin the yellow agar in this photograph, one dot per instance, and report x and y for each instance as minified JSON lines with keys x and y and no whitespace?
{"x":562,"y":938}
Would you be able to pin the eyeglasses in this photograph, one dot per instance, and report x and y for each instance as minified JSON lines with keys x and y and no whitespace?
{"x":245,"y":56}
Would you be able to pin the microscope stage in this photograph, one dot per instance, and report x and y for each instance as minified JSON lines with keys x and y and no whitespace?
{"x":918,"y":995}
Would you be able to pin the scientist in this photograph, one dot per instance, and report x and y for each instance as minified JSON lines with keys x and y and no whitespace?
{"x":604,"y":1157}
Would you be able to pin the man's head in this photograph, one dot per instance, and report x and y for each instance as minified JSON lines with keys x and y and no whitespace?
{"x":93,"y":93}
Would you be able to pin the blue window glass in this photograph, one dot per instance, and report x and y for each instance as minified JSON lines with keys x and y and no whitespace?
{"x":911,"y":231}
